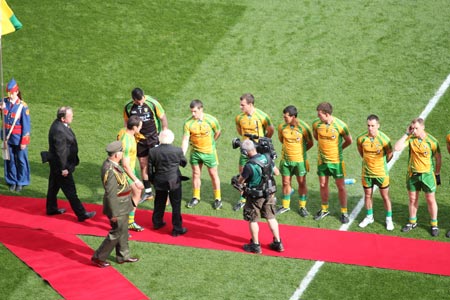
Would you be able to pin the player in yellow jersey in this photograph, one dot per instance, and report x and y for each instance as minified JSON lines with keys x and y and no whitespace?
{"x":296,"y":138}
{"x":424,"y":166}
{"x":251,"y":121}
{"x":129,"y":145}
{"x":376,"y":151}
{"x":201,"y":131}
{"x":332,"y":137}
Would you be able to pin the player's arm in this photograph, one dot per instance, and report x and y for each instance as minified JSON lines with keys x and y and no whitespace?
{"x":308,"y":137}
{"x":401,"y":143}
{"x":360,"y":148}
{"x":389,"y":153}
{"x":185,"y":144}
{"x":127,"y":168}
{"x":164,"y":122}
{"x":280,"y":134}
{"x":238,"y":128}
{"x":217,"y":135}
{"x":316,"y":137}
{"x":127,"y":112}
{"x":347,"y":141}
{"x":269,"y":131}
{"x":438,"y":160}
{"x":125,"y":116}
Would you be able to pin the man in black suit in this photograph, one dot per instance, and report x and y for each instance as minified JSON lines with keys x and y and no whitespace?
{"x":163,"y":168}
{"x":63,"y":158}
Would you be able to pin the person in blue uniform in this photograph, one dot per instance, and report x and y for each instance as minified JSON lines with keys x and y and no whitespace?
{"x":16,"y":136}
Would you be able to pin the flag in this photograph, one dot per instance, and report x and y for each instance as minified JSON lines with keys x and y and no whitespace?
{"x":9,"y":21}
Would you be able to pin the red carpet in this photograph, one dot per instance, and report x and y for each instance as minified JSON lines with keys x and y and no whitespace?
{"x":49,"y":246}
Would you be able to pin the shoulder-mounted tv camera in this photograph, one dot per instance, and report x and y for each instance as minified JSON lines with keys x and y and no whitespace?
{"x":263,"y":145}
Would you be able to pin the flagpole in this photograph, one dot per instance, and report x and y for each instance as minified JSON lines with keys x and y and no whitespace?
{"x":1,"y":71}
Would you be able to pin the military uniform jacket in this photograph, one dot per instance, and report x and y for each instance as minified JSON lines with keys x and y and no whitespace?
{"x":117,"y":197}
{"x":20,"y":134}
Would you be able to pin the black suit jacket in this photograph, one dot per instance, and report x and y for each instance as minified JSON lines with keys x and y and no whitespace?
{"x":63,"y":148}
{"x":163,"y":166}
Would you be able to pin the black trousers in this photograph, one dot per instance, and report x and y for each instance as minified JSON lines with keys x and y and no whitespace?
{"x":160,"y":207}
{"x":56,"y":182}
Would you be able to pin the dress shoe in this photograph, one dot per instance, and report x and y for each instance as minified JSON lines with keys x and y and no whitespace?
{"x":59,"y":211}
{"x":87,"y":215}
{"x":19,"y":188}
{"x":177,"y":232}
{"x":100,"y":263}
{"x":12,"y":188}
{"x":129,"y":260}
{"x":159,"y":226}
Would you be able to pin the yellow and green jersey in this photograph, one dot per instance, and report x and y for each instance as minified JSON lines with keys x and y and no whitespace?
{"x":150,"y":113}
{"x":421,"y":153}
{"x":201,"y":133}
{"x":129,"y":147}
{"x":256,"y":123}
{"x":294,"y":141}
{"x":374,"y":154}
{"x":329,"y":139}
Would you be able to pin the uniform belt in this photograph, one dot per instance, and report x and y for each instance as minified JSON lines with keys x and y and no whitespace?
{"x":124,"y":193}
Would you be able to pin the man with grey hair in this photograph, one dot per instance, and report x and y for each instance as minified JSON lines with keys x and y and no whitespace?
{"x":164,"y":173}
{"x":260,"y":201}
{"x":63,"y":158}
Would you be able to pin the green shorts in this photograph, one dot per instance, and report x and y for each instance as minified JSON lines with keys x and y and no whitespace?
{"x":210,"y":160}
{"x":421,"y":182}
{"x":292,"y":168}
{"x":370,"y":182}
{"x":337,"y":171}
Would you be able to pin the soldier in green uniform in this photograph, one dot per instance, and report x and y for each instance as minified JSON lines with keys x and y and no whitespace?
{"x":117,"y":205}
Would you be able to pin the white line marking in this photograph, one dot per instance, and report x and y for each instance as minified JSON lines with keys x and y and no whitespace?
{"x":359,"y":206}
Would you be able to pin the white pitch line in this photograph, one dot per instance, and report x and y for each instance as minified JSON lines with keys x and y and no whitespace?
{"x":359,"y":206}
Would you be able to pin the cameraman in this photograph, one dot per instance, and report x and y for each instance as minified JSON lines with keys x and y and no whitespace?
{"x":255,"y":208}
